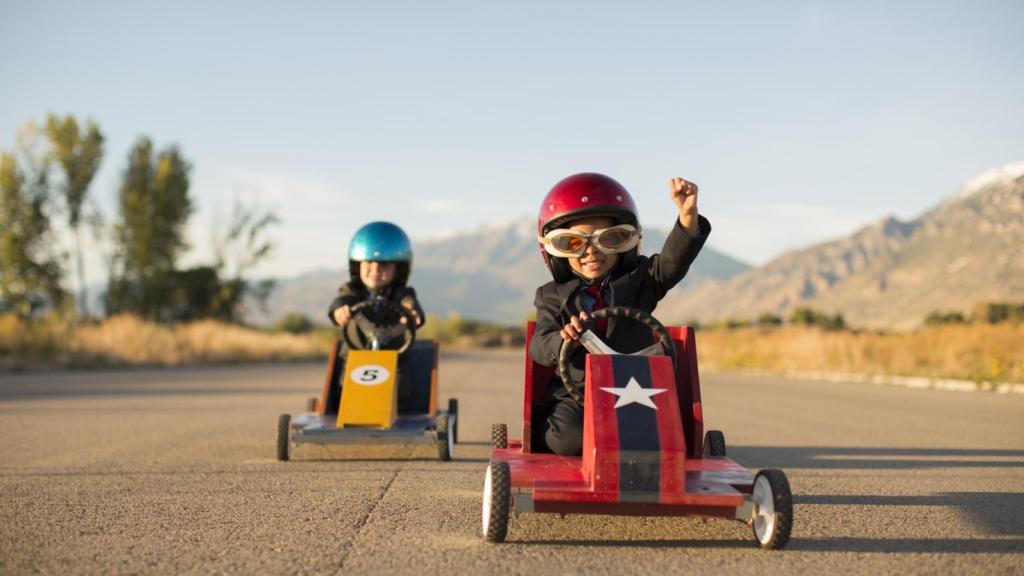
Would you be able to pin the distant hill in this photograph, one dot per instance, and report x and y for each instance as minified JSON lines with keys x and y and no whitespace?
{"x":489,"y":273}
{"x":969,"y":248}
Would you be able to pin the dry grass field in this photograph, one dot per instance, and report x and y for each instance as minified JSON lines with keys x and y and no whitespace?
{"x":978,"y":352}
{"x":127,"y":340}
{"x":982,"y":353}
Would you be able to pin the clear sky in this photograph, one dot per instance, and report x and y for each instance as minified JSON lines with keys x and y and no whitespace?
{"x":801,"y":121}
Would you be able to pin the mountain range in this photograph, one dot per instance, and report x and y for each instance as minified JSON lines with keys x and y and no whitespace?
{"x":968,"y":249}
{"x":490,"y":273}
{"x":892,"y":273}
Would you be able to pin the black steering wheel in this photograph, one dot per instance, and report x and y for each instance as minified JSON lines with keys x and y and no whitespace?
{"x":362,"y":333}
{"x":569,"y":347}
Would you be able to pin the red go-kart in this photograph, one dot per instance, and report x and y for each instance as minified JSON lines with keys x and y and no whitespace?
{"x":642,"y":448}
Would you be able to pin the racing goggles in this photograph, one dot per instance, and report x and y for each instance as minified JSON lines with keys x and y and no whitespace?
{"x":566,"y":243}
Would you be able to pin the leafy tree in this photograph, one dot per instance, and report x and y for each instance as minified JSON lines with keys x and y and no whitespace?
{"x":998,"y":312}
{"x":294,"y":323}
{"x":938,"y":318}
{"x":769,"y":319}
{"x":78,"y":153}
{"x":809,"y":317}
{"x":195,"y":293}
{"x":802,"y":316}
{"x":30,"y":269}
{"x":733,"y":323}
{"x":244,"y":244}
{"x":154,"y":206}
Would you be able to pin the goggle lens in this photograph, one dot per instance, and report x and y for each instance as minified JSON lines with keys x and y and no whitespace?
{"x":571,"y":243}
{"x":614,"y":238}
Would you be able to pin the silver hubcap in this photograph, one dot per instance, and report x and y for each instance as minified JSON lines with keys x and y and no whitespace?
{"x":487,"y":500}
{"x":764,"y":510}
{"x":451,"y":436}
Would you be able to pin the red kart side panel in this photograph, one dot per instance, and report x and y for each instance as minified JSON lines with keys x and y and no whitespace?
{"x":688,"y":389}
{"x":670,"y":432}
{"x":537,"y":379}
{"x":600,"y":431}
{"x":557,"y":480}
{"x":644,"y":457}
{"x":543,"y":471}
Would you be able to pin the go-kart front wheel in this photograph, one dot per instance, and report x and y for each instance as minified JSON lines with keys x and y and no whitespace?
{"x":497,"y":495}
{"x":499,"y":436}
{"x":445,"y":440}
{"x":773,"y":512}
{"x":284,"y":423}
{"x":714,"y":443}
{"x":453,"y":409}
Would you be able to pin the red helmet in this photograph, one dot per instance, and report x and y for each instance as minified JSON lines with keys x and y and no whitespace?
{"x":581,"y":196}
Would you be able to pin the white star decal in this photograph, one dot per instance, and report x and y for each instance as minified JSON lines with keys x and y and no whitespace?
{"x":633,"y":393}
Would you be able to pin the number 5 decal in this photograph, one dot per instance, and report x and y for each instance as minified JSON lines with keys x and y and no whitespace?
{"x":369,"y":375}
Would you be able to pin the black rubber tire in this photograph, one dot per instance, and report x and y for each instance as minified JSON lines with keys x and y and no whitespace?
{"x":444,"y":450}
{"x":284,"y":424}
{"x":714,"y":443}
{"x":496,"y":508}
{"x":782,"y":500}
{"x":311,"y":405}
{"x":453,"y":408}
{"x":499,"y":436}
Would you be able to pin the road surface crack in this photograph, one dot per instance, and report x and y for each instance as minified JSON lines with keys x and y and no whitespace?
{"x":362,"y":523}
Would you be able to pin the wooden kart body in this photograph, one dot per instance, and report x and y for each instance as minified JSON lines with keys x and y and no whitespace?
{"x":351,"y":410}
{"x":639,"y":457}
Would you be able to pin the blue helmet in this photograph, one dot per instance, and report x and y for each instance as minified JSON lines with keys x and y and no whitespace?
{"x":381,"y":242}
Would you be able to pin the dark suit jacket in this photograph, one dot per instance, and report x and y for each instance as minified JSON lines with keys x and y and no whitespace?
{"x":640,"y":288}
{"x":350,"y":294}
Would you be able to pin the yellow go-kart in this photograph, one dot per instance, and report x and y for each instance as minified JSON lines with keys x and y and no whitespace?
{"x":361,"y":401}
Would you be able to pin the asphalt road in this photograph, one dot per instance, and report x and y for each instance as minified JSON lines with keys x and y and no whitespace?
{"x":170,"y":471}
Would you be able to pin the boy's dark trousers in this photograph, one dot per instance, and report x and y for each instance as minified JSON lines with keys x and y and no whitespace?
{"x":563,"y":426}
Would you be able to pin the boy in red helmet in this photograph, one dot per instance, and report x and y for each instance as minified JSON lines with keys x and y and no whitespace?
{"x":590,"y":240}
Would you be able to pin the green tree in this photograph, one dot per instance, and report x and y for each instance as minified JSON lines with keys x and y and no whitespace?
{"x":802,"y":316}
{"x":243,"y":245}
{"x":938,"y":318}
{"x":154,"y":207}
{"x":219,"y":291}
{"x":30,"y":269}
{"x":78,"y":153}
{"x":294,"y":323}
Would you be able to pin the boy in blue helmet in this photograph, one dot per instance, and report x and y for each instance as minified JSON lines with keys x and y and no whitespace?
{"x":380,"y":261}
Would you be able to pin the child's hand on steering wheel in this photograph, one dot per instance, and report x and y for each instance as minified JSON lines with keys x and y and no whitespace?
{"x":408,"y":305}
{"x":342,"y":315}
{"x":574,"y":328}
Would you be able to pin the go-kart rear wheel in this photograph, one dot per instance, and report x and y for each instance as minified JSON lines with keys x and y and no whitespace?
{"x":445,"y":440}
{"x":284,"y":423}
{"x":453,"y":408}
{"x":499,"y":436}
{"x":773,"y":509}
{"x":714,"y":443}
{"x":497,"y":496}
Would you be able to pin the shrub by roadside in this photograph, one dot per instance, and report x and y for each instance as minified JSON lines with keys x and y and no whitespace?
{"x":122,"y":340}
